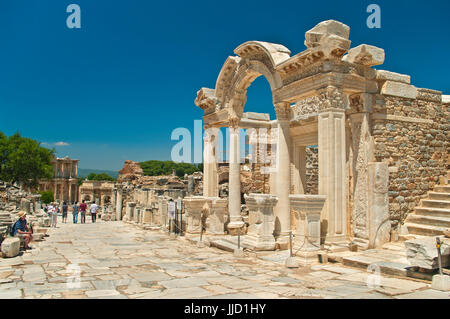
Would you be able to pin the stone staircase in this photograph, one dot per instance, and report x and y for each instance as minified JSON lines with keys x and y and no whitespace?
{"x":432,"y":217}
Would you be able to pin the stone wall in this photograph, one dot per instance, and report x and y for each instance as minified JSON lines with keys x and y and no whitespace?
{"x":415,"y":150}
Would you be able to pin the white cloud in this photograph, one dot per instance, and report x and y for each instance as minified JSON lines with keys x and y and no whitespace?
{"x":61,"y":144}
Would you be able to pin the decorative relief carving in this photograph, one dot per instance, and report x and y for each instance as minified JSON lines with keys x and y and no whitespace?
{"x":356,"y":103}
{"x":206,"y":100}
{"x":362,"y":155}
{"x":306,"y":108}
{"x":332,"y":97}
{"x":381,"y":181}
{"x":360,"y":162}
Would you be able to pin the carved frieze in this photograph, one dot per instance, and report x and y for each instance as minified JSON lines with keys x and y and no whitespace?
{"x":306,"y":108}
{"x":332,"y":97}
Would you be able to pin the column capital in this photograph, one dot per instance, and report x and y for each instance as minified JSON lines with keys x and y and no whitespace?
{"x":360,"y":103}
{"x":210,"y":134}
{"x":283,"y":111}
{"x":332,"y":97}
{"x":233,"y":122}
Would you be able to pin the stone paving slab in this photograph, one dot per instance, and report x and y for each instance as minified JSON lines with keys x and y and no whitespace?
{"x":119,"y":260}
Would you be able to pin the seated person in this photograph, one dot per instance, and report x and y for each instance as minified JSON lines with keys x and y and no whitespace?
{"x":20,"y":229}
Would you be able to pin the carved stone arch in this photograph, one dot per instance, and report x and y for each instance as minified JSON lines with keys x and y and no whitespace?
{"x":237,"y":74}
{"x":225,"y":76}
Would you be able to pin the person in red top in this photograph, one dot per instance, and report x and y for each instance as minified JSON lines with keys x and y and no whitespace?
{"x":83,"y":208}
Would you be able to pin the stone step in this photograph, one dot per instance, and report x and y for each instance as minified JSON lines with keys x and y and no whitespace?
{"x":430,"y":211}
{"x":424,"y":230}
{"x":229,"y":243}
{"x":435,"y":203}
{"x":223,"y":245}
{"x":429,"y":220}
{"x":442,"y":189}
{"x":439,"y":196}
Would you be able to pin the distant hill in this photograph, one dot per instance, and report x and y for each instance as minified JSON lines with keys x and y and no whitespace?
{"x":84,"y":172}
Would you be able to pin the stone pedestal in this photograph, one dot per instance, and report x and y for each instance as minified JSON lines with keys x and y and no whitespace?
{"x":261,"y":221}
{"x":308,"y":229}
{"x":193,"y":207}
{"x":217,"y":216}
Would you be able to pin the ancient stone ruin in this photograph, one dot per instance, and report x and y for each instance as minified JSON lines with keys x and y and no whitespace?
{"x":356,"y":156}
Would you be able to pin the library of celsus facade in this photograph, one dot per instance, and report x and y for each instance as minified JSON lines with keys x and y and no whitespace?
{"x":64,"y":183}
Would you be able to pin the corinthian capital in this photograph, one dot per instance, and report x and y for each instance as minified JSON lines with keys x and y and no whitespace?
{"x":332,"y":97}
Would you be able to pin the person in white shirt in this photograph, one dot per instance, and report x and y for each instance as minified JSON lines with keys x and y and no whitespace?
{"x":52,"y":211}
{"x":93,"y":209}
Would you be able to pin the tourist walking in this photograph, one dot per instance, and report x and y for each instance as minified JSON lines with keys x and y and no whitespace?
{"x":64,"y":212}
{"x":53,"y":212}
{"x":75,"y":212}
{"x":94,"y":208}
{"x":83,"y":208}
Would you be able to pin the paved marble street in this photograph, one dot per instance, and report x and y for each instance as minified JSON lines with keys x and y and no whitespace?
{"x":119,"y":260}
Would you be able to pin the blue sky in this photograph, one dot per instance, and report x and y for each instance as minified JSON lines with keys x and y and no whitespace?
{"x":116,"y":88}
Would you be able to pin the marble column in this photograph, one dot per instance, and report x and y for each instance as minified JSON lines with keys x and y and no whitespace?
{"x":119,"y":205}
{"x":332,"y":173}
{"x":61,"y":194}
{"x":70,"y":192}
{"x":283,"y":176}
{"x":234,"y":192}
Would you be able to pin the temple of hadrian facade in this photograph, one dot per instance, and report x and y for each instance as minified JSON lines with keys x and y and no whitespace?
{"x":64,"y":183}
{"x":382,"y":142}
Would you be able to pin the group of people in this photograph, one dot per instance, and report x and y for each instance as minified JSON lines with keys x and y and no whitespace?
{"x":22,"y":230}
{"x":53,"y":210}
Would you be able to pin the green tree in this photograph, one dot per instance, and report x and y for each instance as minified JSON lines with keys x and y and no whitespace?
{"x":3,"y":151}
{"x":100,"y":177}
{"x":47,"y":197}
{"x":80,"y":181}
{"x":25,"y":161}
{"x":157,"y":168}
